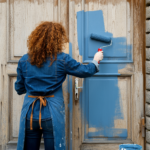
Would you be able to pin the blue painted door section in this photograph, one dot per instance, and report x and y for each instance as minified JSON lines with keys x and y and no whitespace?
{"x":100,"y":100}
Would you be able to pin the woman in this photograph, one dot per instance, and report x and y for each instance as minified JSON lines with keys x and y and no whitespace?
{"x":40,"y":75}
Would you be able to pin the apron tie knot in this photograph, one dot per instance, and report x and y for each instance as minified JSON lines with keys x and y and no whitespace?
{"x":42,"y":103}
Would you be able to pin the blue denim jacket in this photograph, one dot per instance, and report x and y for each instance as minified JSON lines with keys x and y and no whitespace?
{"x":48,"y":80}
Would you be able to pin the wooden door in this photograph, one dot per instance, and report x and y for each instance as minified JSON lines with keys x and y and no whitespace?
{"x":17,"y":19}
{"x":110,"y":106}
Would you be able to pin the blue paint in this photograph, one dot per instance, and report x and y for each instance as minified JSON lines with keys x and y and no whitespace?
{"x":100,"y":103}
{"x":93,"y":22}
{"x":70,"y":103}
{"x":130,"y":147}
{"x":102,"y":107}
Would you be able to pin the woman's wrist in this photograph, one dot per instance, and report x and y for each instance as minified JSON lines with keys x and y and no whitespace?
{"x":96,"y":64}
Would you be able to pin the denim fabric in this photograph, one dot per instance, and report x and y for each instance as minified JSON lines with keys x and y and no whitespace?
{"x":44,"y":81}
{"x":44,"y":111}
{"x":33,"y":137}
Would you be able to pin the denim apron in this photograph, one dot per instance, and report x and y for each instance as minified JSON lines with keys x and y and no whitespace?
{"x":57,"y":109}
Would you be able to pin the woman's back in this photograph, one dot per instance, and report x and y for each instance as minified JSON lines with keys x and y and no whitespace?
{"x":43,"y":80}
{"x":46,"y":79}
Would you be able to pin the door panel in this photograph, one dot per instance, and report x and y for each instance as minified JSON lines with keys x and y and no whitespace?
{"x":107,"y":109}
{"x":15,"y":110}
{"x":108,"y":103}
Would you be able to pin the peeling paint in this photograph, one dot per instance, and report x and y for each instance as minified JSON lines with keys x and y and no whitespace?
{"x":93,"y":129}
{"x":128,"y":69}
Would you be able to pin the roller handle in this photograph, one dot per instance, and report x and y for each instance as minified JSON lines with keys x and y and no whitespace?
{"x":99,"y":49}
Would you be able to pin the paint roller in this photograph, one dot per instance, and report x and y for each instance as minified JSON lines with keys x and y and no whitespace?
{"x":102,"y":38}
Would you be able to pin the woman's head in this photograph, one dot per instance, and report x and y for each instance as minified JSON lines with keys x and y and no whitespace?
{"x":47,"y":40}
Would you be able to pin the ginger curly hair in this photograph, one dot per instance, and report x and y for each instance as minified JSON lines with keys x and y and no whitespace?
{"x":47,"y":40}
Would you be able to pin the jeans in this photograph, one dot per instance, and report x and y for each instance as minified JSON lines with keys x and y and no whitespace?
{"x":33,"y":137}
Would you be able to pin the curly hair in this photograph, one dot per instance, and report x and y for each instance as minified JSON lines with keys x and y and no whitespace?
{"x":47,"y":40}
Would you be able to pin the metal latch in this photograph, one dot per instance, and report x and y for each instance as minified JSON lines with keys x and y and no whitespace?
{"x":76,"y":89}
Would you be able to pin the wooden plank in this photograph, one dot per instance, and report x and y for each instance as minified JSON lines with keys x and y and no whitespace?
{"x":138,"y":48}
{"x":117,"y":18}
{"x":74,"y":8}
{"x":100,"y":147}
{"x":124,"y":84}
{"x":2,"y":49}
{"x":3,"y":105}
{"x":16,"y":103}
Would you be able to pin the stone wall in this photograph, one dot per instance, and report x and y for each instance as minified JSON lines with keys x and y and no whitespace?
{"x":147,"y":107}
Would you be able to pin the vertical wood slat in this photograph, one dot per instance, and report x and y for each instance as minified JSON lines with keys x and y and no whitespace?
{"x":3,"y":106}
{"x":74,"y":7}
{"x":138,"y":48}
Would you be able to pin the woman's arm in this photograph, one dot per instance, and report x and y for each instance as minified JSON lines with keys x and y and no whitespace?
{"x":72,"y":67}
{"x":19,"y":84}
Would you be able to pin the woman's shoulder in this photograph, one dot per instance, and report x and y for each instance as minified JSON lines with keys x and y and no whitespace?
{"x":24,"y":58}
{"x":62,"y":56}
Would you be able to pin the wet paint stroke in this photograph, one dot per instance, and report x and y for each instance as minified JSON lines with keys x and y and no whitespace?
{"x":93,"y":22}
{"x":100,"y":101}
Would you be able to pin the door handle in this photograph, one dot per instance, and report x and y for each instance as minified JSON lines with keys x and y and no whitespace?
{"x":76,"y":89}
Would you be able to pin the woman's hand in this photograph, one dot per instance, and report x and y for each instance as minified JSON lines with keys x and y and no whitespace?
{"x":98,"y":56}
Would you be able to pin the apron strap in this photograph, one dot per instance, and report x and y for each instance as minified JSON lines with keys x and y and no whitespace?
{"x":42,"y":103}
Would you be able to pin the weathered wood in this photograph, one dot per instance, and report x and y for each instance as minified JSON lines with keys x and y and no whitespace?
{"x":138,"y":57}
{"x":3,"y":77}
{"x":76,"y":136}
{"x":16,"y":103}
{"x":100,"y":147}
{"x":124,"y":85}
